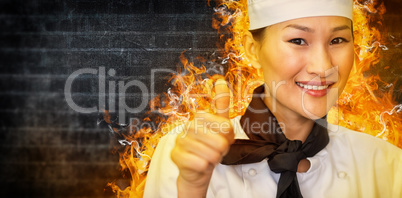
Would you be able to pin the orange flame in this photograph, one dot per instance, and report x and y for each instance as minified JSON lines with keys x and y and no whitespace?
{"x":362,"y":106}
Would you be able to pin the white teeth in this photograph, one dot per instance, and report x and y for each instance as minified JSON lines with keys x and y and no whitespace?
{"x":312,"y":87}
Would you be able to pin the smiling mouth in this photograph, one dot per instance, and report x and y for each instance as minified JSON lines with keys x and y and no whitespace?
{"x":312,"y":87}
{"x":322,"y":86}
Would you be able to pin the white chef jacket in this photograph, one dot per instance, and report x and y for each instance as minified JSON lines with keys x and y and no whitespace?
{"x":353,"y":164}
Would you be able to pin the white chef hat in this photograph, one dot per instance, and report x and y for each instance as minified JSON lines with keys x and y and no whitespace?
{"x":263,"y":13}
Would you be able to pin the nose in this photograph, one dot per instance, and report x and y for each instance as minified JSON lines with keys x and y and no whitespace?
{"x":320,"y":62}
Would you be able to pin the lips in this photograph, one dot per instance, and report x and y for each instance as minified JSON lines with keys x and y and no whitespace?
{"x":312,"y":87}
{"x":315,"y":88}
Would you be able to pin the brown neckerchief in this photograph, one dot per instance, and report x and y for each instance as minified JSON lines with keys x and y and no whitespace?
{"x":266,"y":140}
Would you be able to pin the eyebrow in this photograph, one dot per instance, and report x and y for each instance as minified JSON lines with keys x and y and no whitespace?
{"x":344,"y":27}
{"x":300,"y":27}
{"x":307,"y":29}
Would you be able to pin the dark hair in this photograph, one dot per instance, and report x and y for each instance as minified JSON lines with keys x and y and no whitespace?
{"x":258,"y":34}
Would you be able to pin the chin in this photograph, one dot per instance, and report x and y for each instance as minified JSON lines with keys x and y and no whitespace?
{"x":314,"y":115}
{"x":315,"y":110}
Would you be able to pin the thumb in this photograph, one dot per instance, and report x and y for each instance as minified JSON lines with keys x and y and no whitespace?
{"x":222,"y":98}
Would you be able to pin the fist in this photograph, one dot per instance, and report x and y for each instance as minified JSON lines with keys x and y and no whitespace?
{"x":203,"y":143}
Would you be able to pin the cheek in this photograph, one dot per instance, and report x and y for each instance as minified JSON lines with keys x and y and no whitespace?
{"x":346,"y":64}
{"x":282,"y":64}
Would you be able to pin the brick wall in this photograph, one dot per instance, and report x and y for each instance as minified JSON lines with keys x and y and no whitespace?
{"x":47,"y":148}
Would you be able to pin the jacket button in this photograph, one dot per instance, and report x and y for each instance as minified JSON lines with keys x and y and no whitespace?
{"x":342,"y":174}
{"x":252,"y":172}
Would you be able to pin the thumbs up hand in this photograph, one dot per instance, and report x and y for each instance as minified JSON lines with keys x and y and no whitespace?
{"x":202,"y":145}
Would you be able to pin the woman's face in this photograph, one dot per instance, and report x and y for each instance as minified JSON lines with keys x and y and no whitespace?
{"x":306,"y":63}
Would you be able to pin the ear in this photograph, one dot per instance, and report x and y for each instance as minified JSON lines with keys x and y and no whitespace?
{"x":251,"y":49}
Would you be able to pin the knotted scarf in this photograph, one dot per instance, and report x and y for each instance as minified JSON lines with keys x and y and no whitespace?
{"x":266,"y":140}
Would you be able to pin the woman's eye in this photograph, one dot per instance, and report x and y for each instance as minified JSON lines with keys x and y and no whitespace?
{"x":338,"y":41}
{"x":298,"y":41}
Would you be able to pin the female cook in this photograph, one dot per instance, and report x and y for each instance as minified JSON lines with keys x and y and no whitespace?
{"x":282,"y":146}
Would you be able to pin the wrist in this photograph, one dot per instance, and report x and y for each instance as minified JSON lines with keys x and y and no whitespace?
{"x":190,"y":189}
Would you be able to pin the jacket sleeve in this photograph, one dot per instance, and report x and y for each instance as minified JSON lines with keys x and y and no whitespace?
{"x":162,"y":173}
{"x":397,"y":189}
{"x":386,"y":163}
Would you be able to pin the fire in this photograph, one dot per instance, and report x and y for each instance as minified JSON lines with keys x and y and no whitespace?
{"x":362,"y":106}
